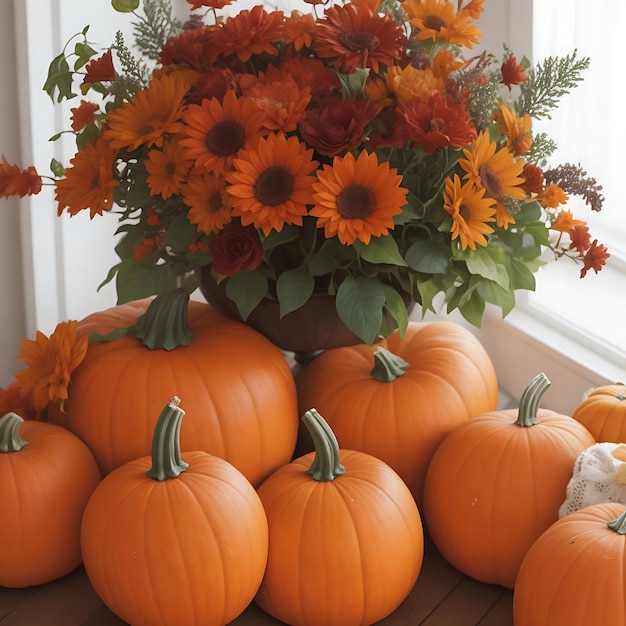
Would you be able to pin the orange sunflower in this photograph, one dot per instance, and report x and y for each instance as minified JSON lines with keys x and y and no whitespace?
{"x":516,"y":129}
{"x":149,"y":116}
{"x":472,"y":213}
{"x":215,"y":132}
{"x":89,"y":181}
{"x":271,"y":185}
{"x":358,"y":38}
{"x":438,"y":20}
{"x":167,"y":169}
{"x":357,"y":198}
{"x":209,"y":203}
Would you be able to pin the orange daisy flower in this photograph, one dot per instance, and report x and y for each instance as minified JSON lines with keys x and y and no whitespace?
{"x":357,"y":38}
{"x":299,"y":29}
{"x":210,"y":206}
{"x":472,"y":212}
{"x":167,"y":169}
{"x":357,"y":198}
{"x":595,"y":258}
{"x":437,"y":20}
{"x":250,"y":32}
{"x":215,"y":132}
{"x":552,"y":197}
{"x":516,"y":129}
{"x":498,"y":172}
{"x":409,"y":82}
{"x":50,"y":362}
{"x":272,"y":185}
{"x":100,"y":70}
{"x":89,"y":181}
{"x":151,"y":115}
{"x":565,"y":221}
{"x":211,"y":4}
{"x":17,"y":182}
{"x":83,"y":115}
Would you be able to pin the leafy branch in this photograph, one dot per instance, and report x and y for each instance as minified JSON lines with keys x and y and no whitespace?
{"x":548,"y":82}
{"x":156,"y":28}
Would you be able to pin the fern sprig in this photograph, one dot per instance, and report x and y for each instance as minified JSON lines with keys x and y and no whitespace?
{"x":156,"y":28}
{"x":135,"y":74}
{"x":548,"y":82}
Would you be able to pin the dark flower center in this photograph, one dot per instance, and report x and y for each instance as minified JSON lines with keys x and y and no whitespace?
{"x":465,"y":213}
{"x":273,"y":186}
{"x":356,"y":202}
{"x":358,"y":41}
{"x":490,"y":181}
{"x":215,"y":202}
{"x":225,"y":138}
{"x":170,"y":169}
{"x":436,"y":123}
{"x":434,"y":22}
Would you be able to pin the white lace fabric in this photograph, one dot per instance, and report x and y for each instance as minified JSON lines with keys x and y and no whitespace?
{"x":599,"y":475}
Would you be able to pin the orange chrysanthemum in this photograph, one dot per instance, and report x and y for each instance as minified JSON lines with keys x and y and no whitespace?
{"x":83,"y":115}
{"x":167,"y":169}
{"x":272,"y":184}
{"x":17,"y":182}
{"x":89,"y":181}
{"x":215,"y":132}
{"x":595,"y":258}
{"x":152,"y":114}
{"x":409,"y":82}
{"x":552,"y":197}
{"x":472,"y":212}
{"x":357,"y":198}
{"x":358,"y":38}
{"x":437,"y":20}
{"x":516,"y":129}
{"x":250,"y":32}
{"x":100,"y":70}
{"x":209,"y":204}
{"x":565,"y":221}
{"x":50,"y":363}
{"x":498,"y":172}
{"x":211,"y":4}
{"x":299,"y":29}
{"x":512,"y":72}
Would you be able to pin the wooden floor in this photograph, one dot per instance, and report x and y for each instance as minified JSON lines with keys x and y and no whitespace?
{"x":442,"y":596}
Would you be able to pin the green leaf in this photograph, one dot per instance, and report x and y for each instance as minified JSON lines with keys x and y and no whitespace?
{"x":246,"y":289}
{"x":275,"y":238}
{"x":397,"y":308}
{"x":125,"y":6}
{"x":491,"y":292}
{"x":321,"y":264}
{"x":428,"y":256}
{"x":481,"y":262}
{"x":84,"y":52}
{"x":293,"y":288}
{"x":360,"y":304}
{"x":473,"y":309}
{"x":427,"y":290}
{"x":540,"y":233}
{"x":522,"y":276}
{"x":528,"y":212}
{"x":59,"y":79}
{"x":382,"y":250}
{"x":57,"y":168}
{"x":141,"y":280}
{"x":180,"y":233}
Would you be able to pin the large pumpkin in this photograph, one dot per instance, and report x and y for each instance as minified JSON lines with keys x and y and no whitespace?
{"x":238,"y":388}
{"x":399,"y":399}
{"x":603,"y":413}
{"x":496,"y":483}
{"x":346,"y":542}
{"x":175,"y":539}
{"x":575,"y":573}
{"x":47,"y":474}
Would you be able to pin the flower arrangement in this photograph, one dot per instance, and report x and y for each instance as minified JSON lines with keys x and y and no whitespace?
{"x":360,"y":150}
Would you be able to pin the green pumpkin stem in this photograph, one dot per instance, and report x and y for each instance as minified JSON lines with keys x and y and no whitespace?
{"x":166,"y":458}
{"x":619,"y":524}
{"x":10,"y":441}
{"x":531,"y":398}
{"x":387,"y":365}
{"x":326,"y":462}
{"x":164,"y":325}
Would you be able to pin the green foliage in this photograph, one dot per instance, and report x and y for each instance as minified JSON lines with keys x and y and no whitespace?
{"x":156,"y":28}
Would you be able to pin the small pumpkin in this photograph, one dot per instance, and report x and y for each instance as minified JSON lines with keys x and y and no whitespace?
{"x":346,"y":539}
{"x":574,"y":574}
{"x":398,"y":400}
{"x":47,"y":474}
{"x":496,"y":483}
{"x":239,"y":390}
{"x":603,"y":413}
{"x":175,"y":538}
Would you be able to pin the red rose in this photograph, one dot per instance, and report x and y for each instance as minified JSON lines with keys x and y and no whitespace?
{"x":236,"y":248}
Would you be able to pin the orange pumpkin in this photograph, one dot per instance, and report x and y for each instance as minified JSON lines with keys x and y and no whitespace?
{"x":170,"y":541}
{"x":47,"y":475}
{"x":399,"y":399}
{"x":603,"y":413}
{"x":496,"y":483}
{"x":346,"y":541}
{"x":574,"y":574}
{"x":239,"y":390}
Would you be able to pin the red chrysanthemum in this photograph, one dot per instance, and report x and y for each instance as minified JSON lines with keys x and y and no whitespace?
{"x":100,"y":70}
{"x":17,"y":182}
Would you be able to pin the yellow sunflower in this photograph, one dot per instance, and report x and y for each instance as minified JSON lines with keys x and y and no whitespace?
{"x":472,"y":213}
{"x":516,"y":129}
{"x":210,"y":207}
{"x":357,"y":198}
{"x":215,"y":132}
{"x":271,"y":185}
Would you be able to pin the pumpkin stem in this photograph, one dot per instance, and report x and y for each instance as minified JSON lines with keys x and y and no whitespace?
{"x":530,"y":400}
{"x":387,"y":365}
{"x":10,"y":441}
{"x":326,"y":462}
{"x":619,"y":524}
{"x":164,"y":324}
{"x":166,"y":459}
